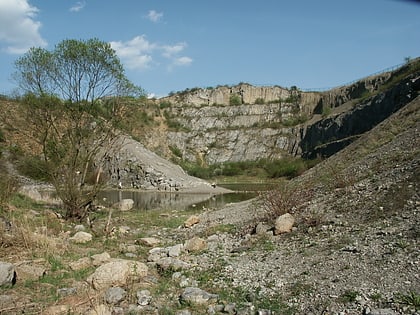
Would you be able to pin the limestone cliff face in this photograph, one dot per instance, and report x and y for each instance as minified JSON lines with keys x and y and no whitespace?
{"x":245,"y":122}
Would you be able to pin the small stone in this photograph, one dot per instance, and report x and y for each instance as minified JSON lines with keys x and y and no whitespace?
{"x":81,"y":237}
{"x":261,"y":229}
{"x":79,"y":228}
{"x":195,"y":244}
{"x":7,"y":274}
{"x":230,"y":308}
{"x":99,"y":309}
{"x":144,"y":297}
{"x":149,"y":241}
{"x":380,"y":311}
{"x":197,"y":296}
{"x":100,"y":259}
{"x":115,"y":295}
{"x":66,"y":291}
{"x":175,"y":251}
{"x":169,"y":263}
{"x":192,"y":220}
{"x":80,"y":264}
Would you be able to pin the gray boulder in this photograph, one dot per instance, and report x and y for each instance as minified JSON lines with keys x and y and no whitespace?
{"x":7,"y":274}
{"x":197,"y":296}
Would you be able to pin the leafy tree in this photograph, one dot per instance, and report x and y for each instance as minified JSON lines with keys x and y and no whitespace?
{"x":77,"y":70}
{"x":64,"y":112}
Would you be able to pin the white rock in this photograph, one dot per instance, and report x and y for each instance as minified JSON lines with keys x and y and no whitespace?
{"x":284,"y":224}
{"x":81,"y":237}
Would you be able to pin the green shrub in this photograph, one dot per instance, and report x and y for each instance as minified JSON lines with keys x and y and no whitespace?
{"x":175,"y":151}
{"x":33,"y":167}
{"x":235,"y":100}
{"x":259,"y":100}
{"x":287,"y":167}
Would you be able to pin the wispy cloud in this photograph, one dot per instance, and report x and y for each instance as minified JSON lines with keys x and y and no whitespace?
{"x":19,"y":29}
{"x":78,"y":6}
{"x":139,"y":54}
{"x":154,"y":16}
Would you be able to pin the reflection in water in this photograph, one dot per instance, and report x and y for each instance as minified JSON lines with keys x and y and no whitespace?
{"x":174,"y":201}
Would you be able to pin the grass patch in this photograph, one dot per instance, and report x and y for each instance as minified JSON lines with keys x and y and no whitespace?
{"x":411,"y":298}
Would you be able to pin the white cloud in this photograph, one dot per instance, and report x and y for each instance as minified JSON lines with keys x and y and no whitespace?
{"x":78,"y":6}
{"x":183,"y":61}
{"x":135,"y":53}
{"x":18,"y":28}
{"x":139,"y":54}
{"x":154,"y":16}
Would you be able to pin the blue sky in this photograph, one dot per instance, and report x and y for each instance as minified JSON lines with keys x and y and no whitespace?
{"x":168,"y":45}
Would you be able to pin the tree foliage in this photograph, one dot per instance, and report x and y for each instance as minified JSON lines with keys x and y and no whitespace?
{"x":63,"y":110}
{"x":76,"y":70}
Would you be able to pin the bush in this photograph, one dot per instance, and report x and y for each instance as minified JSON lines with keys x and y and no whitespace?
{"x":285,"y":198}
{"x":288,"y":167}
{"x":33,"y":167}
{"x":235,"y":100}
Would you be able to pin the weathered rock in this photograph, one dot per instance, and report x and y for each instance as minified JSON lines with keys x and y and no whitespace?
{"x":192,"y":220}
{"x":58,"y":309}
{"x":80,"y":264}
{"x":81,"y":237}
{"x":380,"y":311}
{"x":261,"y":229}
{"x":117,"y":273}
{"x":79,"y":228}
{"x":170,"y":263}
{"x":124,"y":205}
{"x":157,"y":253}
{"x":143,"y":297}
{"x":195,"y":244}
{"x":29,"y":271}
{"x":66,"y":291}
{"x":175,"y":251}
{"x":130,"y":248}
{"x":149,"y":241}
{"x":115,"y":295}
{"x":284,"y":224}
{"x":197,"y":296}
{"x":7,"y":274}
{"x":100,"y":309}
{"x":100,"y":259}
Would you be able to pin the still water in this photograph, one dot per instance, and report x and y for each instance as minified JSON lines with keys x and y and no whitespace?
{"x":144,"y":200}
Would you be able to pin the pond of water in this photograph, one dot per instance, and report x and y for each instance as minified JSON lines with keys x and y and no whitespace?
{"x":144,"y":200}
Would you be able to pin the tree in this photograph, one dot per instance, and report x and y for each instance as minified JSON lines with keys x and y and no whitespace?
{"x":64,"y":111}
{"x":77,"y":70}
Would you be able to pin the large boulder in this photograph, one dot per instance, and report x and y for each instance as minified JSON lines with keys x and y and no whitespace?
{"x":117,"y":273}
{"x":284,"y":224}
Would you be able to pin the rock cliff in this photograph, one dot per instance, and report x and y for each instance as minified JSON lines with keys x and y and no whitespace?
{"x":245,"y":122}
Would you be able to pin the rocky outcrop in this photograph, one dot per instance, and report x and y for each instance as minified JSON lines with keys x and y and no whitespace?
{"x":272,"y":122}
{"x":331,"y":134}
{"x":131,"y":165}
